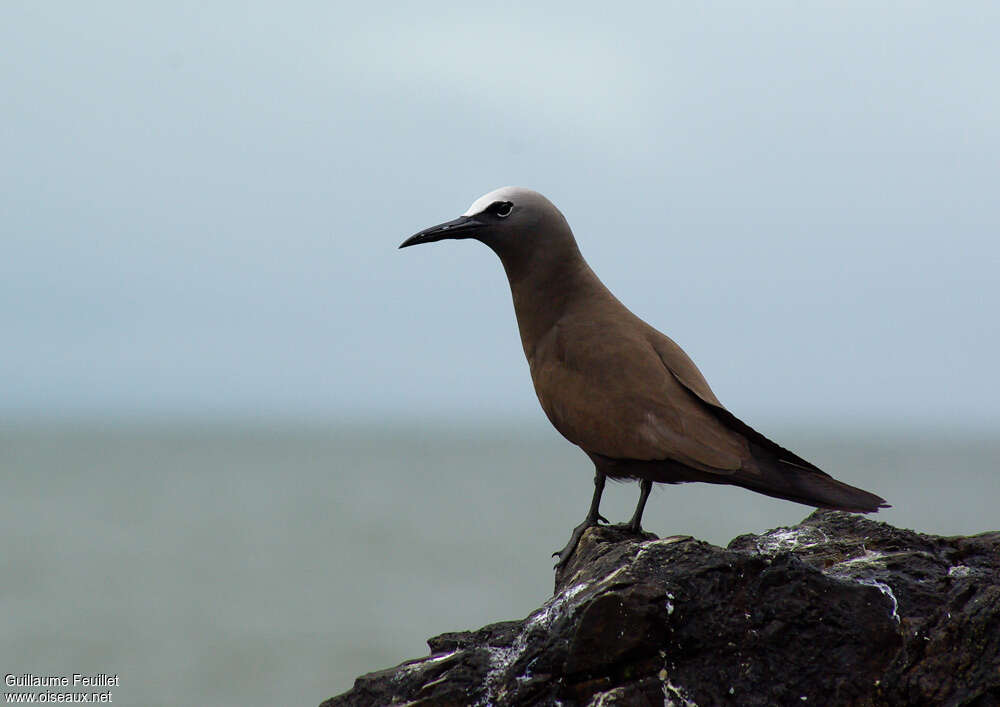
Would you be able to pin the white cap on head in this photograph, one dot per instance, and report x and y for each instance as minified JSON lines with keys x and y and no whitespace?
{"x":518,"y":195}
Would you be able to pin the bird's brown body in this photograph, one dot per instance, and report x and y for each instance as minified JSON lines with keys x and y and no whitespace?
{"x":615,"y":386}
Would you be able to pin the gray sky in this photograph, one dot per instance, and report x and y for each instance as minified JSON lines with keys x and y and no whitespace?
{"x":200,"y":203}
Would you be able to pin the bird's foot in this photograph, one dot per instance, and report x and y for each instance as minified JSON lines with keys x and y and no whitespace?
{"x":574,"y":540}
{"x":634,"y":528}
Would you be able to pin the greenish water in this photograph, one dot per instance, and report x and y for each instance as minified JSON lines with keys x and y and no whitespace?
{"x":271,"y":564}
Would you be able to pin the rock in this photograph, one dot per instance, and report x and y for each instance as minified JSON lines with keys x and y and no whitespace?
{"x":836,"y":610}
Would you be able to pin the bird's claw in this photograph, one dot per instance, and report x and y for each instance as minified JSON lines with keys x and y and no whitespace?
{"x":574,"y":540}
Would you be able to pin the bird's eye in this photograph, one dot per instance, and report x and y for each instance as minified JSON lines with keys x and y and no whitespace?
{"x":503,"y":208}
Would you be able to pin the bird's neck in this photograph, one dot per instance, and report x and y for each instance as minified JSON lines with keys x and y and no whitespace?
{"x":543,"y":285}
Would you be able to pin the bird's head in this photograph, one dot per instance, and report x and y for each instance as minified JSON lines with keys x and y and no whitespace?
{"x":513,"y":221}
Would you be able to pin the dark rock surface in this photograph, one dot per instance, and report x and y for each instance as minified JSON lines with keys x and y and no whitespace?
{"x":838,"y":610}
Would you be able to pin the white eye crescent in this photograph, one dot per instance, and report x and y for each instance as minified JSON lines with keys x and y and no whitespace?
{"x":503,"y":209}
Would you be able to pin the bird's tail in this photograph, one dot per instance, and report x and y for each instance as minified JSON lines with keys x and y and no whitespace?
{"x":774,"y":478}
{"x":775,"y":471}
{"x":765,"y":473}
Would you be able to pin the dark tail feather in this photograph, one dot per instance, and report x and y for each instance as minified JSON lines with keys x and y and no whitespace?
{"x":777,"y":475}
{"x":808,"y":487}
{"x":765,"y":474}
{"x":784,"y":474}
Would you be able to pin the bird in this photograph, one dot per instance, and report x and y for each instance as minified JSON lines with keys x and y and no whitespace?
{"x":616,"y":387}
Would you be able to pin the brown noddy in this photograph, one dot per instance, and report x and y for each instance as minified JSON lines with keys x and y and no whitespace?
{"x":626,"y":394}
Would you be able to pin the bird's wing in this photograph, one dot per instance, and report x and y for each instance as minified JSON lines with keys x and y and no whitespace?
{"x":687,"y":374}
{"x":605,"y":388}
{"x":681,"y":366}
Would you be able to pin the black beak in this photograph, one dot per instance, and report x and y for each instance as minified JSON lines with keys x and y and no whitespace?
{"x":462,"y":227}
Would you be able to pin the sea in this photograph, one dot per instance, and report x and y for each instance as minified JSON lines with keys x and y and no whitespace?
{"x":272,"y":562}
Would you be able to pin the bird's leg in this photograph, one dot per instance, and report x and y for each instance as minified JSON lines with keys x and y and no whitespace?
{"x":592,"y":519}
{"x":635,"y":525}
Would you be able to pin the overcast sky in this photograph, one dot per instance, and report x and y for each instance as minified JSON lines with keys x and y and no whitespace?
{"x":200,"y":203}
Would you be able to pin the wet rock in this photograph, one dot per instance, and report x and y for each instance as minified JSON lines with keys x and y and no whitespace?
{"x":839,"y":609}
